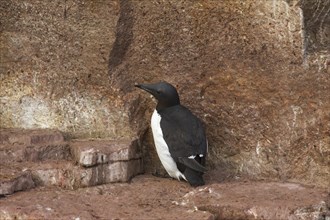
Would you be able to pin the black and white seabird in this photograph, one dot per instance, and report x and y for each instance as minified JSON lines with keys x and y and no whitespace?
{"x":179,"y":135}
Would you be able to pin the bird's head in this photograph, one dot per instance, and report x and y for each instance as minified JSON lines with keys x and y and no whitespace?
{"x":164,"y":92}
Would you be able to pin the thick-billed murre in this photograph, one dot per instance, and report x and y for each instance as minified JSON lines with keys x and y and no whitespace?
{"x":179,"y":135}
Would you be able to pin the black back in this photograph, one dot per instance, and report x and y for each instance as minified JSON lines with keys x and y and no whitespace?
{"x":183,"y":132}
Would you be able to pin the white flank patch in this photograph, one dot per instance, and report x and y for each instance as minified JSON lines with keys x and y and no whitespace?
{"x":162,"y":148}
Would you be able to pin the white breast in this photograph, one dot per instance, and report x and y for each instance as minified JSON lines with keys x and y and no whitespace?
{"x":162,"y":148}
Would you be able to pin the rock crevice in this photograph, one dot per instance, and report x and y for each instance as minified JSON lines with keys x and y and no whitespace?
{"x":124,"y":35}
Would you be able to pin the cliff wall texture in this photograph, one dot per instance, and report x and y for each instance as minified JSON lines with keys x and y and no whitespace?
{"x":255,"y":72}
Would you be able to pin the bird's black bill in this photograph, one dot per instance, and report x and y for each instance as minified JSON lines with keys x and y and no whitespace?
{"x":146,"y":87}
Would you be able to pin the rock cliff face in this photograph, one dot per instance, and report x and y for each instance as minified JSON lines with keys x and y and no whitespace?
{"x":256,"y":73}
{"x":54,"y":62}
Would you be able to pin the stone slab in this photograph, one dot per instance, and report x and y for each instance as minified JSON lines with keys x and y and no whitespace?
{"x":21,"y":153}
{"x":146,"y":197}
{"x":16,"y":136}
{"x":261,"y":200}
{"x":89,"y":153}
{"x":69,"y":176}
{"x":54,"y":173}
{"x":65,"y":174}
{"x":32,"y":145}
{"x":119,"y":171}
{"x":13,"y":180}
{"x":31,"y":158}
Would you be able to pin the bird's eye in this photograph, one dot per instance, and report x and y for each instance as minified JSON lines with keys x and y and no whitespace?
{"x":158,"y":91}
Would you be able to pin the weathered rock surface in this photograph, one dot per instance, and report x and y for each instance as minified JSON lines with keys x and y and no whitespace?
{"x":17,"y":145}
{"x":261,"y":200}
{"x":21,"y":154}
{"x":243,"y":68}
{"x":256,"y":72}
{"x":159,"y":198}
{"x":95,"y":152}
{"x":12,"y":181}
{"x":40,"y":157}
{"x":120,"y":171}
{"x":54,"y":68}
{"x":145,"y":198}
{"x":106,"y":161}
{"x":23,"y":176}
{"x":30,"y":137}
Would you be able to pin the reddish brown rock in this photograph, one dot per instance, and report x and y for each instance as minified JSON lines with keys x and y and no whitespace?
{"x":146,"y":197}
{"x":23,"y":176}
{"x":12,"y":181}
{"x":161,"y":198}
{"x":46,"y":173}
{"x":32,"y":145}
{"x":106,"y":161}
{"x":244,"y":69}
{"x":54,"y":173}
{"x":256,"y":73}
{"x":54,"y":68}
{"x":27,"y":137}
{"x":43,"y":158}
{"x":94,"y":152}
{"x":260,"y":200}
{"x":119,"y":171}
